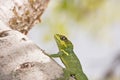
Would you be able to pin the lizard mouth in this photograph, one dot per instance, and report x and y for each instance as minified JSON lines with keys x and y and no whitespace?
{"x":60,"y":40}
{"x":57,"y":38}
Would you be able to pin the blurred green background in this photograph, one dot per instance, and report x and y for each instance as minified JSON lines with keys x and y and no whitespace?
{"x":94,"y":28}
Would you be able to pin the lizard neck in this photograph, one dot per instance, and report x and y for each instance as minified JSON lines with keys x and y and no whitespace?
{"x":66,"y":51}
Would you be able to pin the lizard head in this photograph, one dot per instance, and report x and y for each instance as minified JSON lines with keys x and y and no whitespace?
{"x":63,"y":42}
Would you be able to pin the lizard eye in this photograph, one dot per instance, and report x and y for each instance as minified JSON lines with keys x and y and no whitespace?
{"x":63,"y":38}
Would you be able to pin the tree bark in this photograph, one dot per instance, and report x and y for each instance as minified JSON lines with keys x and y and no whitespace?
{"x":20,"y":58}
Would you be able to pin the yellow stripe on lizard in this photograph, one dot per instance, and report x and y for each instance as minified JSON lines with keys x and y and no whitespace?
{"x":64,"y":52}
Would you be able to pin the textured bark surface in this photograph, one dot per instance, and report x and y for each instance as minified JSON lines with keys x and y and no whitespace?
{"x":21,"y":15}
{"x":20,"y":58}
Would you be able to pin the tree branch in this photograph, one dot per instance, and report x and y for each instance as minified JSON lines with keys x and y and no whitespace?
{"x":20,"y":58}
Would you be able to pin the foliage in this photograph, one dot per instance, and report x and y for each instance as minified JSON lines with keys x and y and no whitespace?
{"x":78,"y":9}
{"x":69,"y":11}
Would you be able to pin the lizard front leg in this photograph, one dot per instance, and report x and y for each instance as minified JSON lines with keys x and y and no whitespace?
{"x":55,"y":55}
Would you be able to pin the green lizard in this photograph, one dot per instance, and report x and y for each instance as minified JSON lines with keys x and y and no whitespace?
{"x":69,"y":59}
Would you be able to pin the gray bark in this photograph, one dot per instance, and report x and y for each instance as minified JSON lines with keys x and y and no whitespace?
{"x":20,"y":58}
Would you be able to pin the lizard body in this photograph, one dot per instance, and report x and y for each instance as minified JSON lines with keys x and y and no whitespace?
{"x":68,"y":58}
